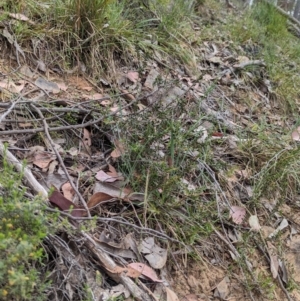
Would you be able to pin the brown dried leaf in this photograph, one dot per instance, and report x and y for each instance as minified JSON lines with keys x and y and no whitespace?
{"x":87,"y":141}
{"x":68,"y":191}
{"x":237,"y":214}
{"x":42,"y":159}
{"x":119,"y":150}
{"x":87,"y":137}
{"x":145,"y":270}
{"x":52,"y":166}
{"x":133,"y":273}
{"x":116,"y":153}
{"x":104,"y":177}
{"x":58,"y":200}
{"x":110,"y":176}
{"x":98,"y":198}
{"x":133,"y":76}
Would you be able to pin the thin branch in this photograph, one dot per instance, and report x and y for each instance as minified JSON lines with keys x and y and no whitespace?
{"x":119,"y":221}
{"x":77,"y":126}
{"x":60,"y":159}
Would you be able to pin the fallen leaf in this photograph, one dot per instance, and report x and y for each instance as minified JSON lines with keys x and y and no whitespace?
{"x":87,"y":141}
{"x":21,"y":17}
{"x":98,"y":198}
{"x":42,"y":159}
{"x":254,"y":223}
{"x":133,"y":76}
{"x":57,"y":199}
{"x":171,"y":296}
{"x":237,"y":214}
{"x":112,"y":190}
{"x":296,"y":134}
{"x":274,"y":264}
{"x":133,"y":273}
{"x":156,"y":256}
{"x":104,"y":177}
{"x":217,"y":134}
{"x":47,"y":85}
{"x":112,"y":171}
{"x":62,"y":86}
{"x":52,"y":166}
{"x":9,"y":85}
{"x":222,"y":289}
{"x":116,"y":153}
{"x":284,"y":223}
{"x":130,"y":272}
{"x":68,"y":191}
{"x":119,"y":150}
{"x":145,"y":270}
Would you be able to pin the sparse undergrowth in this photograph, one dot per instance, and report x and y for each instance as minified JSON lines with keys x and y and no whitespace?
{"x":190,"y":180}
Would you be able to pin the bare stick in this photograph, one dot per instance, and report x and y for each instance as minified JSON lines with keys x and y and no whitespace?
{"x":122,"y":222}
{"x":77,"y":126}
{"x":12,"y":105}
{"x":33,"y":183}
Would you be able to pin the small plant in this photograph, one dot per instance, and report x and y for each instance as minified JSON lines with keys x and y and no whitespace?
{"x":22,"y":229}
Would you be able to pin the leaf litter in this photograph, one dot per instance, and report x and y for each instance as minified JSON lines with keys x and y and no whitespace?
{"x":107,"y":192}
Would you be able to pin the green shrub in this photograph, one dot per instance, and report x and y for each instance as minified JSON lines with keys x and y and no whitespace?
{"x":22,"y":229}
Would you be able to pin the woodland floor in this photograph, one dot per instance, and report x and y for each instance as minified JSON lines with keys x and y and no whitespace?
{"x":200,"y":129}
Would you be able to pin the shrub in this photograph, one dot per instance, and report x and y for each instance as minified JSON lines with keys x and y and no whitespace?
{"x":22,"y":229}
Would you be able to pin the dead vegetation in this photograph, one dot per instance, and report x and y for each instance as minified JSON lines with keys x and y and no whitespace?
{"x":168,"y":158}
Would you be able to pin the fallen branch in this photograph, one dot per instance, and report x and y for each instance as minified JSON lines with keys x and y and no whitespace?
{"x":76,"y":126}
{"x":31,"y":180}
